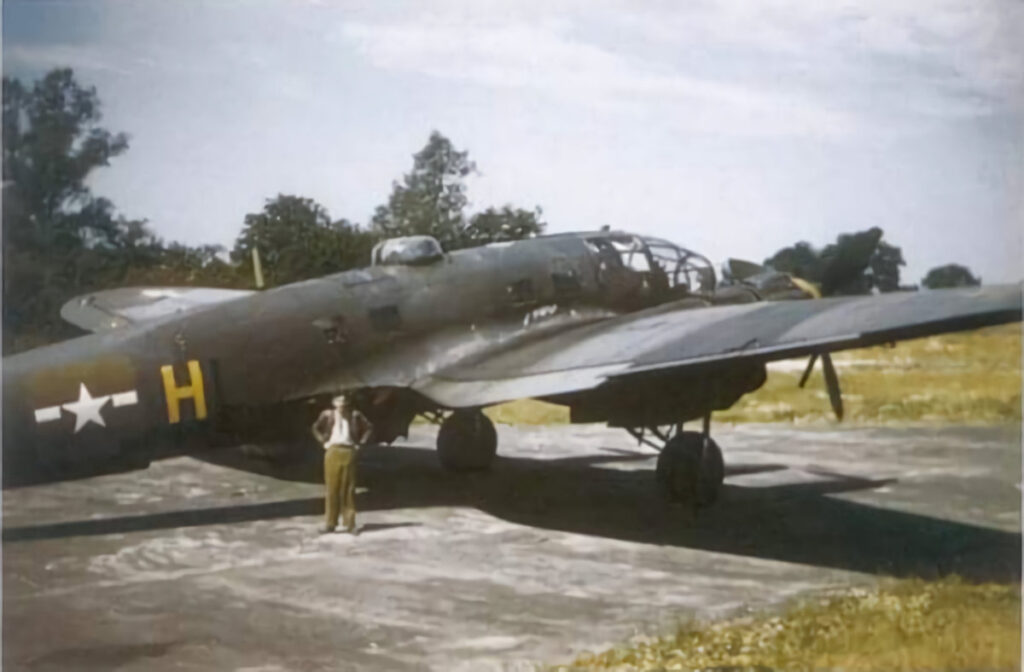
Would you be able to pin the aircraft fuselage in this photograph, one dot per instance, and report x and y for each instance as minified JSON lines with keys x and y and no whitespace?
{"x":116,"y":400}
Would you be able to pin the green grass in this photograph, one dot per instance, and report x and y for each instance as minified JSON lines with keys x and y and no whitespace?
{"x":964,"y":378}
{"x":909,"y":625}
{"x":528,"y":412}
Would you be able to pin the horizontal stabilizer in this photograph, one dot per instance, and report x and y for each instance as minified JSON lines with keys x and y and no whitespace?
{"x":116,"y":308}
{"x":740,"y":269}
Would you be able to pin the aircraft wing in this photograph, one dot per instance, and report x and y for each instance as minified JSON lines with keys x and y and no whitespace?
{"x":663,"y":340}
{"x":117,"y":308}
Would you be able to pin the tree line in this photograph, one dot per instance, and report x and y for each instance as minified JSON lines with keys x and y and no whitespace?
{"x":61,"y":240}
{"x":860,"y":263}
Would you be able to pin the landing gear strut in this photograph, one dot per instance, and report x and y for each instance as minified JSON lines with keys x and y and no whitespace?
{"x":690,"y":467}
{"x":467,"y":441}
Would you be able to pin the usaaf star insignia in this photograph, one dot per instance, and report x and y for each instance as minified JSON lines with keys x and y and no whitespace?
{"x":86,"y":408}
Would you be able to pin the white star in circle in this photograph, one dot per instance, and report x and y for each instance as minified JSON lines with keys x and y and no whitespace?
{"x":87,"y":408}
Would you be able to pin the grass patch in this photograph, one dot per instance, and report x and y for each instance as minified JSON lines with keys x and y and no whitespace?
{"x":964,"y":378}
{"x":528,"y":412}
{"x":969,"y":377}
{"x":909,"y":625}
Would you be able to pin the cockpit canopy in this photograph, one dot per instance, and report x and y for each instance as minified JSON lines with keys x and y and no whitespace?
{"x":665,"y":264}
{"x":683,"y":267}
{"x":406,"y":251}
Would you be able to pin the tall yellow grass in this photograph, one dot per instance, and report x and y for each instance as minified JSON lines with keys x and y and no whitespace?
{"x":910,"y":625}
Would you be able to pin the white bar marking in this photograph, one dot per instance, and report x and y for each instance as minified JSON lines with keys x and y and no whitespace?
{"x":128,"y":398}
{"x":48,"y":414}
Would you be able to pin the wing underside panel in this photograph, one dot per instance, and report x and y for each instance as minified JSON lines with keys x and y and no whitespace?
{"x":659,"y":342}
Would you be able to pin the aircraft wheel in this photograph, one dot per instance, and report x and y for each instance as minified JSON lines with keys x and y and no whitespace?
{"x":467,"y":441}
{"x":688,"y":472}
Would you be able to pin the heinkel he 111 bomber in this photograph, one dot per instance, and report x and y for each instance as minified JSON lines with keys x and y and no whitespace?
{"x":623,"y":329}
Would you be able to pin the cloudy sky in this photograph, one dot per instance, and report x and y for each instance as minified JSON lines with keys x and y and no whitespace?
{"x":733,"y":128}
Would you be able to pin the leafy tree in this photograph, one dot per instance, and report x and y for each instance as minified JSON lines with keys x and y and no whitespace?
{"x":297,"y":240}
{"x":800,"y":260}
{"x":51,"y":221}
{"x":493,"y":225}
{"x":950,"y":275}
{"x":59,"y":239}
{"x":52,"y":142}
{"x":183,"y":265}
{"x":103,"y":261}
{"x":431,"y":200}
{"x":885,"y":267}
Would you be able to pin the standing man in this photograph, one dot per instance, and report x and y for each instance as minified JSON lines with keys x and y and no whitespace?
{"x":342,"y":430}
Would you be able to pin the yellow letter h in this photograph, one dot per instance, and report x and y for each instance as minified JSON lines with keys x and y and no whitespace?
{"x":193,"y":391}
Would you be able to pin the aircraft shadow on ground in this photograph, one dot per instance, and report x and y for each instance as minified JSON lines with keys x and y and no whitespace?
{"x":796,"y":523}
{"x":103,"y":657}
{"x":218,"y":515}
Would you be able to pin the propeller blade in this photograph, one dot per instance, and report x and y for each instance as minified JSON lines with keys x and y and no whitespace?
{"x":835,"y":395}
{"x":806,"y":287}
{"x":807,"y":371}
{"x":257,"y":268}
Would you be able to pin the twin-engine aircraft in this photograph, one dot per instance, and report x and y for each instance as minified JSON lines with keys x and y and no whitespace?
{"x":628,"y":330}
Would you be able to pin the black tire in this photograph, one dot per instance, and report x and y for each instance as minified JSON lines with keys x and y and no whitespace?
{"x":467,"y":441}
{"x":687,"y":472}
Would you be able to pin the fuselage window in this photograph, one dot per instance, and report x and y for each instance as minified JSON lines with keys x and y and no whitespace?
{"x":607,"y":256}
{"x":521,"y":292}
{"x":633,"y":255}
{"x":566,"y":283}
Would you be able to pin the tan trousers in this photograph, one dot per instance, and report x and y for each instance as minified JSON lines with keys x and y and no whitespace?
{"x":340,"y":481}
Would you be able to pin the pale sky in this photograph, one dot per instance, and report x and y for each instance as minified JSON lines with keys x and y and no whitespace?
{"x":733,"y":128}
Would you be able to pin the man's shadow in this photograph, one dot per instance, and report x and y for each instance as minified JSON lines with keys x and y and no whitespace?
{"x":798,"y":523}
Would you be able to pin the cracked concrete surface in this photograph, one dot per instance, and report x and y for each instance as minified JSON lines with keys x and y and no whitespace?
{"x":565,"y":546}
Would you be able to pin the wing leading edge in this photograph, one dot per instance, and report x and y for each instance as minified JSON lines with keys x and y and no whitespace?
{"x":665,"y":342}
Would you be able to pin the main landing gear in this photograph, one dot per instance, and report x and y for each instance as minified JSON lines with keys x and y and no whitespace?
{"x":690,"y":467}
{"x":467,"y":441}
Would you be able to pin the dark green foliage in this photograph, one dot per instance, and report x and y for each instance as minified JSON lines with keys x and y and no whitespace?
{"x":59,"y":240}
{"x":885,"y":267}
{"x":950,"y":275}
{"x":494,"y":226}
{"x":855,"y":264}
{"x":431,"y":200}
{"x":56,"y":233}
{"x":177,"y":265}
{"x":297,"y":240}
{"x":51,"y":143}
{"x":801,"y":260}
